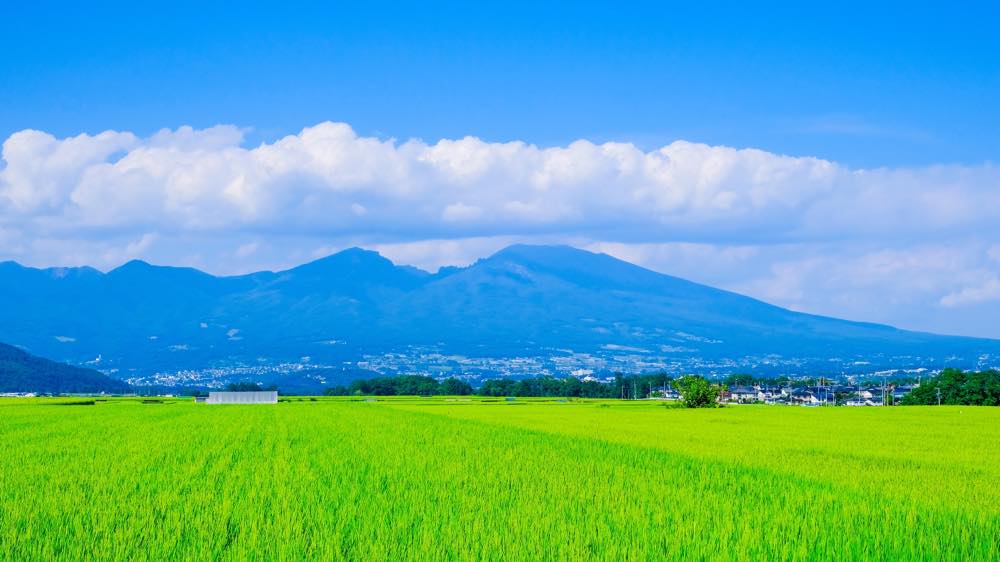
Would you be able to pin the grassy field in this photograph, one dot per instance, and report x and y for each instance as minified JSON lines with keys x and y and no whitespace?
{"x":440,"y":479}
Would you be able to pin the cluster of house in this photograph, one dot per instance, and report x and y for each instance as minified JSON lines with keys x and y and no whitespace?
{"x":807,"y":395}
{"x":816,"y":395}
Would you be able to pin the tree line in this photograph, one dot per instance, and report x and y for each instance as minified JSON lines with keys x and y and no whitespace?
{"x":695,"y":391}
{"x":952,"y":386}
{"x":956,"y":387}
{"x":627,"y":387}
{"x":403,"y":385}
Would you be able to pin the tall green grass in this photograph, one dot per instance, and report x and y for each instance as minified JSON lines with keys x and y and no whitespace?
{"x":432,"y":479}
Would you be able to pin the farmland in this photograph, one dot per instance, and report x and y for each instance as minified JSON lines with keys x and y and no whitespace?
{"x":469,"y":479}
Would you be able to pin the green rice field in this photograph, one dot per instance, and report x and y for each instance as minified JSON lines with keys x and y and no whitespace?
{"x":476,"y":479}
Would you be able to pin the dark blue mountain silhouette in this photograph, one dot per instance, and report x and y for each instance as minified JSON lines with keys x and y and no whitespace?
{"x":23,"y":372}
{"x":140,"y":318}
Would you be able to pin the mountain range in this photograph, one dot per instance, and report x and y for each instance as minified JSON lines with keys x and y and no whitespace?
{"x":340,"y":311}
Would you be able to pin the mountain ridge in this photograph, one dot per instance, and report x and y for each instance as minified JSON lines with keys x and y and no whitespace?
{"x":522,"y":300}
{"x":22,"y":372}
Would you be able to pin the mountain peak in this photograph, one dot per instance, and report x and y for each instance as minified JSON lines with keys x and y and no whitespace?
{"x":356,"y":251}
{"x":11,"y":265}
{"x":542,"y":252}
{"x":133,"y":265}
{"x":355,"y":267}
{"x":569,"y":258}
{"x":350,"y":259}
{"x":140,"y":271}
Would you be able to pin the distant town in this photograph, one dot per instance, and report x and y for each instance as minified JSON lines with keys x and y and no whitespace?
{"x":614,"y":373}
{"x":599,"y":365}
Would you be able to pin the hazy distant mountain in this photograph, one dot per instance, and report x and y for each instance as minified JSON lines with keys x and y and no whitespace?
{"x":22,"y":372}
{"x":523,"y":300}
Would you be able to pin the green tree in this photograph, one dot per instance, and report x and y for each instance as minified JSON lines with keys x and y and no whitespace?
{"x":497,"y":387}
{"x":697,"y":392}
{"x":455,"y":387}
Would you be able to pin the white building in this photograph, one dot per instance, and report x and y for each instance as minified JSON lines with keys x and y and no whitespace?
{"x":252,"y":397}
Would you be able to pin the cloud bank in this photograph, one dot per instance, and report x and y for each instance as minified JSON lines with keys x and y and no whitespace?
{"x":799,"y":231}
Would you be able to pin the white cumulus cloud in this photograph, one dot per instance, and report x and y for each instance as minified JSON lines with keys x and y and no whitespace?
{"x":773,"y":225}
{"x":328,"y":179}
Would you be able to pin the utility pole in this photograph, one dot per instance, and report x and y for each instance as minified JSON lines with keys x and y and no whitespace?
{"x":938,"y":389}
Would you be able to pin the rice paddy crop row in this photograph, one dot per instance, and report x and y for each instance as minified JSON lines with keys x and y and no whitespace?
{"x":436,"y":480}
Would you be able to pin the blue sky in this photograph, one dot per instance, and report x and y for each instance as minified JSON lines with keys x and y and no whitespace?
{"x":864,"y":85}
{"x":837,"y":159}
